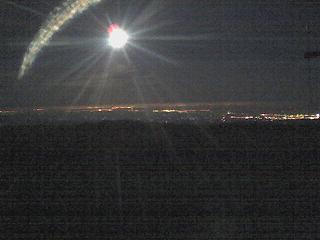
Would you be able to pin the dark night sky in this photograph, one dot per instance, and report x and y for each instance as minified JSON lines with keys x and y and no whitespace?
{"x":215,"y":51}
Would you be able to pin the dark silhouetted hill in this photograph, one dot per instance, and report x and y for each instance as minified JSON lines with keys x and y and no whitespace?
{"x":132,"y":180}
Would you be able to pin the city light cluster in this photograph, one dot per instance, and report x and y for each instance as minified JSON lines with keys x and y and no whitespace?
{"x":271,"y":117}
{"x":180,"y":110}
{"x":173,"y":112}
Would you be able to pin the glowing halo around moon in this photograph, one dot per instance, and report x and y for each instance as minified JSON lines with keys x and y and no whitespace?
{"x":118,"y":38}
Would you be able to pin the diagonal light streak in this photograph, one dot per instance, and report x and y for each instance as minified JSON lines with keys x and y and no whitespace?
{"x":56,"y":20}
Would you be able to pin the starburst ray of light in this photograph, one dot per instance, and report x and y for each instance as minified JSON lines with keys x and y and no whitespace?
{"x":24,"y":8}
{"x":153,"y":54}
{"x":57,"y":19}
{"x":81,"y":67}
{"x":89,"y":80}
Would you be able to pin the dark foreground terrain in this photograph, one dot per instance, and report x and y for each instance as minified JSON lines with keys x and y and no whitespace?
{"x":130,"y":180}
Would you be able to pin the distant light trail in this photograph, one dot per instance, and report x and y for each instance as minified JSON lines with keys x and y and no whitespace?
{"x":57,"y":18}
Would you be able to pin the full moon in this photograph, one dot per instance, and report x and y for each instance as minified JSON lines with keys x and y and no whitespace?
{"x":118,"y":38}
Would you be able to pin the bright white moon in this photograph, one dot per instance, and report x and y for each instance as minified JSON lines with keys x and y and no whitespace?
{"x":118,"y":38}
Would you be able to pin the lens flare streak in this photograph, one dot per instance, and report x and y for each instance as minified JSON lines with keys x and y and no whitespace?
{"x":56,"y":20}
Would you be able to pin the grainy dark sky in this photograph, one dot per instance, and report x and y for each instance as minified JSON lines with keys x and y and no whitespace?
{"x":194,"y":51}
